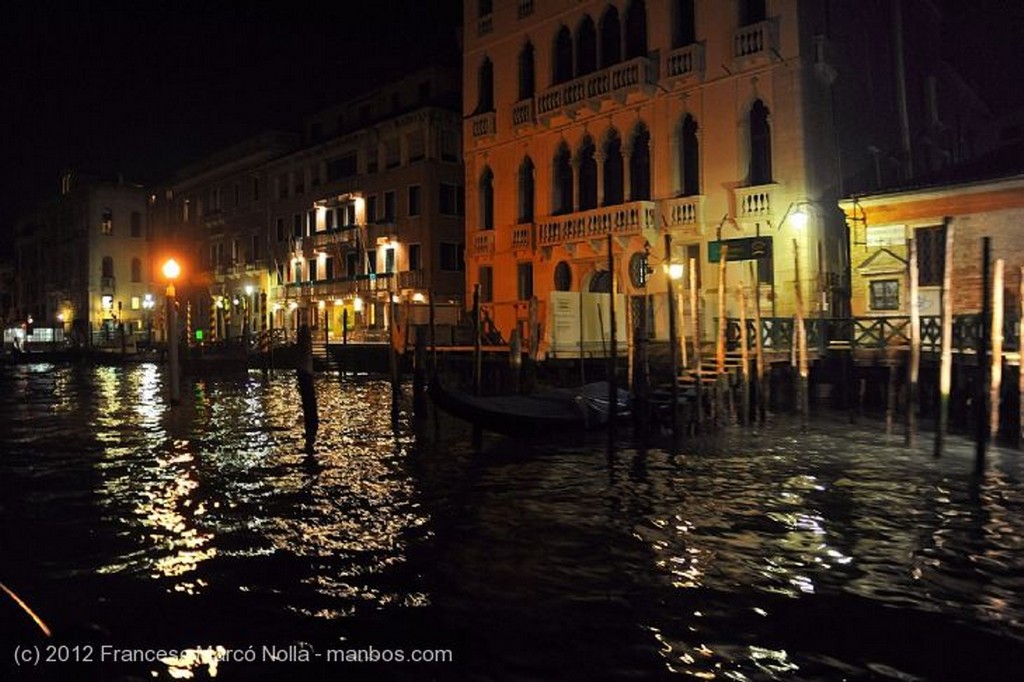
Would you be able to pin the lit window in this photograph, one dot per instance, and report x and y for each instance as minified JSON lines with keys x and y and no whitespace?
{"x":885,"y":294}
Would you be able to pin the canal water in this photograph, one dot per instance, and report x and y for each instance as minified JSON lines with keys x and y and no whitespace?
{"x":202,"y":542}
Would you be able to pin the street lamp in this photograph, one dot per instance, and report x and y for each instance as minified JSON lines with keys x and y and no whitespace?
{"x":171,"y":271}
{"x":248,"y":315}
{"x":148,"y":304}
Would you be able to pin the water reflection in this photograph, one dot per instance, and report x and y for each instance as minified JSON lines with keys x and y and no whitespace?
{"x":772,"y":555}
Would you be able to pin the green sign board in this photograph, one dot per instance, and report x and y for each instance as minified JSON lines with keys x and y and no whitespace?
{"x":748,"y":248}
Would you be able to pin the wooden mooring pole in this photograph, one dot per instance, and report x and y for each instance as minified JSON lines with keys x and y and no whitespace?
{"x":946,"y":353}
{"x":721,"y":381}
{"x":981,"y":391}
{"x":673,"y":338}
{"x":477,"y":332}
{"x":1020,"y":363}
{"x":307,"y":389}
{"x":801,"y":340}
{"x":613,"y":389}
{"x":515,"y":358}
{"x":762,"y":384}
{"x":745,"y":359}
{"x":696,"y":333}
{"x":914,"y":361}
{"x":996,"y":379}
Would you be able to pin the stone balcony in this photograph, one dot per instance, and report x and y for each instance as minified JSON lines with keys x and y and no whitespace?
{"x":616,"y":81}
{"x":483,"y":243}
{"x":684,"y":65}
{"x":623,"y":220}
{"x":522,"y":237}
{"x":484,"y":125}
{"x":757,"y":202}
{"x":523,"y":113}
{"x":756,"y":43}
{"x":684,"y":213}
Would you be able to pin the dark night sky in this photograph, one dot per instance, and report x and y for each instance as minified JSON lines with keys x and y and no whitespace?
{"x":145,"y":87}
{"x":142,"y":88}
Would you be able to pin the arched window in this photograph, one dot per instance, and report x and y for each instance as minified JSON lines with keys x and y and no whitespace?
{"x":485,"y":87}
{"x":563,"y":277}
{"x":760,"y":145}
{"x":636,"y":30}
{"x":684,"y":28}
{"x":586,"y":47}
{"x":613,"y":189}
{"x":689,"y":157}
{"x":107,"y":267}
{"x":588,"y":175}
{"x":611,"y":38}
{"x":640,"y":165}
{"x":601,"y":282}
{"x":526,"y":78}
{"x":562,"y":175}
{"x":526,"y":191}
{"x":563,"y":57}
{"x":752,"y":12}
{"x":136,"y":270}
{"x":487,"y":200}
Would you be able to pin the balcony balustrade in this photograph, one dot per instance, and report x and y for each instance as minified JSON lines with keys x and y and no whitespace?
{"x":484,"y":125}
{"x":483,"y":243}
{"x":522,"y":236}
{"x":755,"y":202}
{"x":618,"y":80}
{"x":622,"y":220}
{"x":756,"y":40}
{"x":523,"y":113}
{"x":413,"y":279}
{"x":684,"y":212}
{"x":685,"y":63}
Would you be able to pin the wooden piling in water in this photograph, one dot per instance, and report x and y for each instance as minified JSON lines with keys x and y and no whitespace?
{"x":981,"y":392}
{"x":515,"y":358}
{"x":914,"y":359}
{"x":745,"y":359}
{"x":477,"y":331}
{"x":762,"y":383}
{"x":720,"y":338}
{"x":396,"y":378}
{"x":801,"y":340}
{"x":1020,"y":363}
{"x":697,"y":351}
{"x":673,"y":338}
{"x":419,"y":376}
{"x":996,"y":378}
{"x":946,"y":353}
{"x":613,"y":389}
{"x":307,"y":389}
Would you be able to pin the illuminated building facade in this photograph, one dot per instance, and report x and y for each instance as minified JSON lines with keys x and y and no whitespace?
{"x":735,"y":123}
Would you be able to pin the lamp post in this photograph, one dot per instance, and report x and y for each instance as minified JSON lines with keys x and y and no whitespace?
{"x":248,"y":316}
{"x":171,"y":271}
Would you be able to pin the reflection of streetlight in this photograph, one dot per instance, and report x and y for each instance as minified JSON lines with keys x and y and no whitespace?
{"x":248,"y":315}
{"x":171,"y":271}
{"x":148,"y":304}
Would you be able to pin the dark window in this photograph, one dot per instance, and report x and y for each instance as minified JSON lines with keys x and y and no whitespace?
{"x":636,"y":30}
{"x":389,"y":260}
{"x":563,"y":276}
{"x":136,"y":224}
{"x":280,"y":229}
{"x":485,"y":85}
{"x":526,"y":193}
{"x":760,"y":145}
{"x":372,"y":159}
{"x":563,"y":181}
{"x":414,"y":200}
{"x":931,"y":255}
{"x":255,"y":253}
{"x":371,"y":260}
{"x":689,"y":158}
{"x":415,"y":257}
{"x":640,"y":165}
{"x":524,"y":281}
{"x":255,"y":189}
{"x":451,"y":200}
{"x":563,"y":57}
{"x":586,"y":47}
{"x":371,"y":209}
{"x":588,"y":176}
{"x":613,"y":170}
{"x":328,"y":268}
{"x":351,"y":264}
{"x":487,"y":200}
{"x":329,"y":219}
{"x":342,"y":167}
{"x":486,"y":284}
{"x":389,"y":206}
{"x":684,"y":31}
{"x":611,"y":38}
{"x":107,"y":267}
{"x":297,"y":225}
{"x":638,"y":270}
{"x":526,"y":72}
{"x":136,"y":270}
{"x":107,"y":224}
{"x":752,"y":12}
{"x":452,"y":257}
{"x":885,"y":294}
{"x":485,"y":7}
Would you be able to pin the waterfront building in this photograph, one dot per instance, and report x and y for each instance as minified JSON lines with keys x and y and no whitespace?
{"x":731,"y":124}
{"x":82,"y":261}
{"x":363,"y":206}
